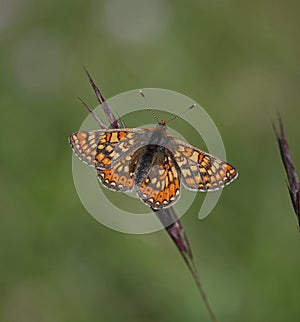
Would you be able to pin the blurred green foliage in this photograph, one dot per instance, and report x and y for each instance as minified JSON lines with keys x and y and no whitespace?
{"x":240,"y":60}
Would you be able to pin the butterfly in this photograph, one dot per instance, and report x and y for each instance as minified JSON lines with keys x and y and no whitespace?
{"x":151,"y":162}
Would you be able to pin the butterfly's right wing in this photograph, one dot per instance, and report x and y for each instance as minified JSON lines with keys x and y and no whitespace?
{"x":201,"y":171}
{"x":104,"y":149}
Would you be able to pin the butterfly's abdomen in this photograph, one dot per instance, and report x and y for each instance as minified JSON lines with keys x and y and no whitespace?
{"x":144,"y":163}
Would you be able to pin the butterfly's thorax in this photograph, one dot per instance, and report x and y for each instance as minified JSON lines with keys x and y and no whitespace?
{"x":158,"y":136}
{"x":150,"y":154}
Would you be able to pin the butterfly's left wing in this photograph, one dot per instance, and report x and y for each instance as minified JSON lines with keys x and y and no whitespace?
{"x":161,"y":187}
{"x":84,"y":145}
{"x":200,"y":171}
{"x":104,"y":149}
{"x":118,"y":178}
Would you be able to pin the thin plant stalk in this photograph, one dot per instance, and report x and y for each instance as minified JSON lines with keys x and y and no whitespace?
{"x":286,"y":156}
{"x":175,"y":230}
{"x":179,"y":237}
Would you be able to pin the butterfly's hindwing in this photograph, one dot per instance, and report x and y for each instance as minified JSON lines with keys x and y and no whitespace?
{"x":161,"y":186}
{"x":118,"y":178}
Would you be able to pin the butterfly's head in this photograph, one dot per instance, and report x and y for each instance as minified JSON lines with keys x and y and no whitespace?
{"x":163,"y":123}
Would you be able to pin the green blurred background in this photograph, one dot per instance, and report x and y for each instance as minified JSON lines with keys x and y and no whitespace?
{"x":240,"y":60}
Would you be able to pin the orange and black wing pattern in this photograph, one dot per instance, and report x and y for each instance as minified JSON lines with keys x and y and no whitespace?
{"x":105,"y":148}
{"x":201,"y":171}
{"x":119,"y":177}
{"x":161,"y":187}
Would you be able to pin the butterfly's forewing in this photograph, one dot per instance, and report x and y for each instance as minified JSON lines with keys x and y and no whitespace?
{"x":105,"y":149}
{"x":201,"y":171}
{"x":161,"y":187}
{"x":84,"y":145}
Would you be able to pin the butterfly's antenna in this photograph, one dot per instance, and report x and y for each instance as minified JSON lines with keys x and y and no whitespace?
{"x":148,"y":106}
{"x":183,"y":112}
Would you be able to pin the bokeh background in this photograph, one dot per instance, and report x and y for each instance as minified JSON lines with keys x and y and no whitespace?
{"x":240,"y":60}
